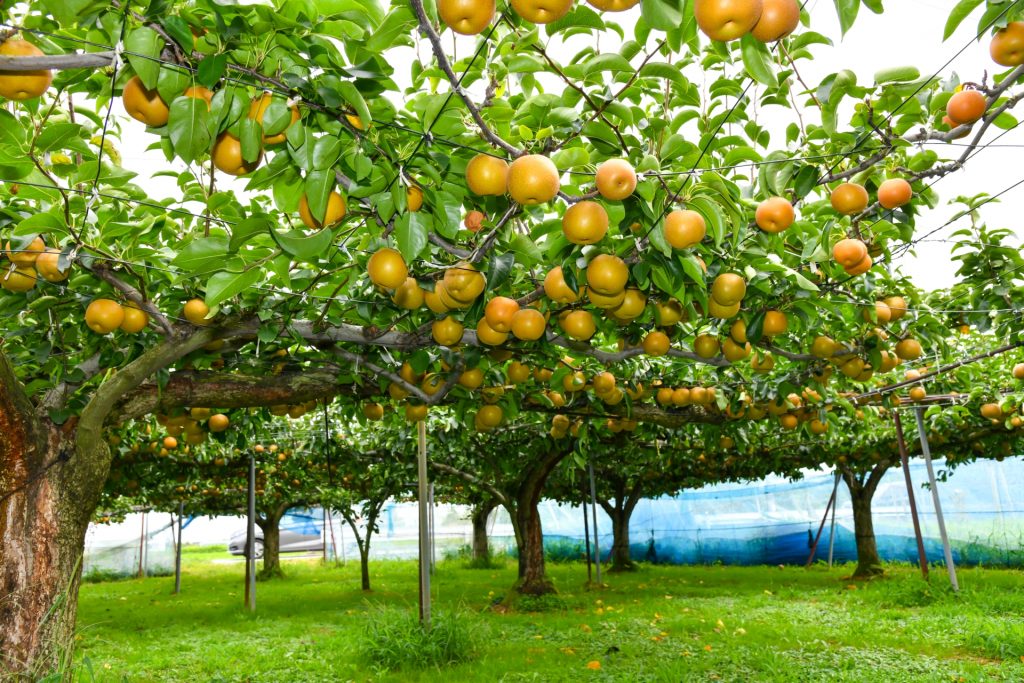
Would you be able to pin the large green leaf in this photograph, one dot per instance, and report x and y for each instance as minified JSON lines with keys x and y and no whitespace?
{"x":222,"y":286}
{"x":847,"y":11}
{"x":189,"y":127}
{"x":663,"y":15}
{"x":758,"y":61}
{"x":309,"y":248}
{"x":143,"y":46}
{"x":202,"y":255}
{"x":961,"y":11}
{"x":411,"y":229}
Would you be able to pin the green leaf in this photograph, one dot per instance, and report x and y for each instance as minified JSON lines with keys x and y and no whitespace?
{"x":663,"y":15}
{"x":957,"y":15}
{"x":318,"y":187}
{"x":178,"y":29}
{"x":189,"y":127}
{"x":143,"y":46}
{"x":571,"y":157}
{"x":39,"y":224}
{"x":245,"y":230}
{"x":447,"y":214}
{"x":657,"y":238}
{"x":326,"y":152}
{"x":411,"y":229}
{"x":527,"y":252}
{"x":211,"y":69}
{"x":847,"y":11}
{"x":222,"y":286}
{"x":202,"y":255}
{"x":498,"y":270}
{"x":252,"y":139}
{"x":351,"y":94}
{"x":758,"y":61}
{"x":303,"y":247}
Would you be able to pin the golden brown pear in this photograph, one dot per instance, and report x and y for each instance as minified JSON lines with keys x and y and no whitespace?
{"x":727,"y":20}
{"x":23,"y":85}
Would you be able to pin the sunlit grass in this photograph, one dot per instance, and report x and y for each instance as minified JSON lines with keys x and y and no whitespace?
{"x":659,"y":624}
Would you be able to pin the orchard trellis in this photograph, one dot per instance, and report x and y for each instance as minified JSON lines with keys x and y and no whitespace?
{"x":435,"y":260}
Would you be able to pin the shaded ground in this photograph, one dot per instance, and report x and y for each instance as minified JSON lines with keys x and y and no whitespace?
{"x":659,"y":624}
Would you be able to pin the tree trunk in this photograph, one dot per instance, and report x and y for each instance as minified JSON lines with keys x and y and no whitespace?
{"x":481,"y":545}
{"x":533,"y":578}
{"x":862,"y":490}
{"x":271,"y":526}
{"x":49,"y":488}
{"x":620,"y":555}
{"x":364,"y":563}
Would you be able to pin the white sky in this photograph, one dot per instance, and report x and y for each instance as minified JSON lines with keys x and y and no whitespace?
{"x":909,"y":33}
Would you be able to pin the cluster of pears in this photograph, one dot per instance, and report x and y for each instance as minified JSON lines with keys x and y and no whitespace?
{"x":766,"y":20}
{"x":30,"y":264}
{"x":193,"y":425}
{"x":969,"y":105}
{"x":147,"y":106}
{"x":471,"y":17}
{"x":292,"y":411}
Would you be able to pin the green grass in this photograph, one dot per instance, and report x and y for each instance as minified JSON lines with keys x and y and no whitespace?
{"x":760,"y":624}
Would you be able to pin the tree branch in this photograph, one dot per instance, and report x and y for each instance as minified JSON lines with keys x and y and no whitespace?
{"x":442,"y":61}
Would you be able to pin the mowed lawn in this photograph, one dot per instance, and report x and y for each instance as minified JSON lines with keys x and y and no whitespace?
{"x":709,"y":623}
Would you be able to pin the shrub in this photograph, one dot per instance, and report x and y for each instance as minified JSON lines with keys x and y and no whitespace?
{"x":394,"y":639}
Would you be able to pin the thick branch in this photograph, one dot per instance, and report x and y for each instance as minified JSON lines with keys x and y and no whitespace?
{"x":103,"y":272}
{"x":472,"y":479}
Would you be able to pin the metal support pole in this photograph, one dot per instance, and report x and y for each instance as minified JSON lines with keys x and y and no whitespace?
{"x":593,"y":507}
{"x":927,"y":452}
{"x":905,"y":459}
{"x":424,"y":526}
{"x":824,"y":518}
{"x":323,"y":525}
{"x":832,"y":529}
{"x":586,"y":535}
{"x":142,"y":544}
{"x":177,"y":551}
{"x":250,"y":541}
{"x":433,"y":536}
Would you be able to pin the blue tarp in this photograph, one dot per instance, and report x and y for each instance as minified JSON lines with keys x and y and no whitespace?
{"x":772,"y":522}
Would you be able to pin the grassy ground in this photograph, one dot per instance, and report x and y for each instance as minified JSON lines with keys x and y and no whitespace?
{"x":659,"y":624}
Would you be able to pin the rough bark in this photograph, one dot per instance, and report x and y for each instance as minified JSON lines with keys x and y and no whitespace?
{"x":42,"y":532}
{"x":51,"y":479}
{"x":862,"y":489}
{"x":364,"y":566}
{"x":533,"y":579}
{"x":481,"y":544}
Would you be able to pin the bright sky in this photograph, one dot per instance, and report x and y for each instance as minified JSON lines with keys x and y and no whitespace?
{"x":875,"y":42}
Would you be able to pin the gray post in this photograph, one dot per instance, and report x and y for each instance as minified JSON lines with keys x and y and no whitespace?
{"x":593,"y":508}
{"x":433,"y":533}
{"x":250,"y":541}
{"x":832,"y":529}
{"x":142,"y":544}
{"x":905,"y":459}
{"x":586,"y":534}
{"x":424,"y":526}
{"x":324,"y":527}
{"x":927,"y":452}
{"x":177,"y":551}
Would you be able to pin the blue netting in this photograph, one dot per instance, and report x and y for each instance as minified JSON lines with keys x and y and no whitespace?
{"x":772,"y":522}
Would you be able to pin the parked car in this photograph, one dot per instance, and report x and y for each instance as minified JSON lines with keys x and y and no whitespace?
{"x":291,"y":542}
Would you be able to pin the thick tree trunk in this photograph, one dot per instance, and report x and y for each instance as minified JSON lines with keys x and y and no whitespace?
{"x":481,"y":544}
{"x":271,"y":527}
{"x":48,"y":491}
{"x":533,"y":578}
{"x":862,"y":490}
